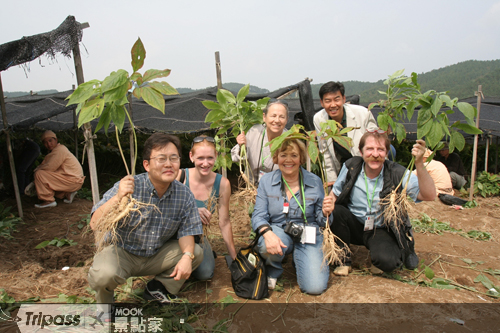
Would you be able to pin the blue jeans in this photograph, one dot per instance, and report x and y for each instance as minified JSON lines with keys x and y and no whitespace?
{"x":206,"y":269}
{"x":312,"y":272}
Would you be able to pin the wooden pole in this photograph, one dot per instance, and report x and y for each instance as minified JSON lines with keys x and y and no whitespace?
{"x":496,"y":156}
{"x":9,"y":151}
{"x":219,"y":86}
{"x":486,"y":153}
{"x":87,"y":128}
{"x":479,"y":94}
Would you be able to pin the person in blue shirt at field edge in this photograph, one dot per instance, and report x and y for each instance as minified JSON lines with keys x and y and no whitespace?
{"x":157,"y":240}
{"x":355,"y":201}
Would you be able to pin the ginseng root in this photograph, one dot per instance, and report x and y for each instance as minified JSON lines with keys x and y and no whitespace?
{"x":332,"y":252}
{"x":117,"y":216}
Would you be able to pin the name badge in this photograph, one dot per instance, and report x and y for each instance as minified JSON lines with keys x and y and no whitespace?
{"x":285,"y":207}
{"x":369,"y":220}
{"x":308,"y":235}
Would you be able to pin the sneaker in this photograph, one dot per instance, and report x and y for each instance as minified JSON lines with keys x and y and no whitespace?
{"x":46,"y":204}
{"x":342,"y":270}
{"x":156,"y":291}
{"x":271,"y":282}
{"x":30,"y":190}
{"x":71,"y":197}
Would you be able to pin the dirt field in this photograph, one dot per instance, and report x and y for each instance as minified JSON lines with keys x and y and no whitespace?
{"x":26,"y":272}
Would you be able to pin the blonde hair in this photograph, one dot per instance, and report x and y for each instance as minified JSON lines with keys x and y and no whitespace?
{"x":205,"y":142}
{"x":288,"y":144}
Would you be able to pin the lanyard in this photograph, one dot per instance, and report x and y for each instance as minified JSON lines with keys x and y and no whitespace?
{"x":373,"y":193}
{"x":302,"y":208}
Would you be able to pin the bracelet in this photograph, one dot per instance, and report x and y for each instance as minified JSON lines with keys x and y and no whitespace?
{"x":263,"y":232}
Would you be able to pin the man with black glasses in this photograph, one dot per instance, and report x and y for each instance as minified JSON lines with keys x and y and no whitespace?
{"x":159,"y":239}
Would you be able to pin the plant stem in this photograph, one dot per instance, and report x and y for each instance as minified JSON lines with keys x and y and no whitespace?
{"x":135,"y":141}
{"x":121,"y":151}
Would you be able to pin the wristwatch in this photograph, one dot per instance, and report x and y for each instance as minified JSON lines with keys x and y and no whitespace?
{"x":189,"y":254}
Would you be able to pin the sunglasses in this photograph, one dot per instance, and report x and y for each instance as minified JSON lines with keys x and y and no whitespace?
{"x":379,"y":131}
{"x":199,"y":139}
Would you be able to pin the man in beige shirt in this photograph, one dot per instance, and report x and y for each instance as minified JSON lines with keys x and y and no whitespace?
{"x":60,"y":174}
{"x":439,"y":174}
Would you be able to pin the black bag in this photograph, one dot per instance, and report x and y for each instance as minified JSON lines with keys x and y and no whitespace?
{"x":248,"y":281}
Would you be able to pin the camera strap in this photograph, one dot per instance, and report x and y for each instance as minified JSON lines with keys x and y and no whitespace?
{"x":302,"y":208}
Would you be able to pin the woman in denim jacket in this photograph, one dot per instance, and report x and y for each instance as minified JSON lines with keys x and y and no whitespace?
{"x":288,"y":200}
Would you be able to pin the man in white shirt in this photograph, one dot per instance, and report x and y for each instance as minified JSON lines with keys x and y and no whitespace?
{"x":332,"y":96}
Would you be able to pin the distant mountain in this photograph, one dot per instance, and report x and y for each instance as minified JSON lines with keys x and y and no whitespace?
{"x":460,"y":80}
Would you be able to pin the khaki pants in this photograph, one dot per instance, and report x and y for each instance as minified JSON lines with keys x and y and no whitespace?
{"x":113,"y":265}
{"x":49,"y":183}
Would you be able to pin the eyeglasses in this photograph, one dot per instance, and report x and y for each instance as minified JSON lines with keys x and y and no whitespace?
{"x":162,"y":159}
{"x":379,"y":131}
{"x":199,"y":139}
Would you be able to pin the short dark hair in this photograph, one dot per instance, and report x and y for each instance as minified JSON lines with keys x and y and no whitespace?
{"x":160,"y":140}
{"x":377,"y":137}
{"x":331,"y":87}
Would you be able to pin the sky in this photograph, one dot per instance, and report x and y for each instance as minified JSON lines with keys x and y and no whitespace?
{"x":269,"y":44}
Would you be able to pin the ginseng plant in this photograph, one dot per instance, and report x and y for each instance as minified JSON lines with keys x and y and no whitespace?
{"x":330,"y":129}
{"x":403,"y":97}
{"x":107,"y":101}
{"x":233,"y":113}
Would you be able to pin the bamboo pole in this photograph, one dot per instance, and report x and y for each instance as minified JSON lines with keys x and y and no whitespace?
{"x":87,"y":128}
{"x":9,"y":151}
{"x":486,"y":153}
{"x":479,"y":94}
{"x":219,"y":86}
{"x":496,"y":156}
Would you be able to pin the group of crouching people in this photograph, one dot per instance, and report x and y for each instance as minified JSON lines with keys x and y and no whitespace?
{"x":290,"y":210}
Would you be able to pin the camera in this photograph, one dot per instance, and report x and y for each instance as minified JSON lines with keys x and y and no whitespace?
{"x":294,"y":231}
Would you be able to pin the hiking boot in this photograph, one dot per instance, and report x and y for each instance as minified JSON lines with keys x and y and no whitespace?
{"x":342,"y":270}
{"x":71,"y":197}
{"x":156,"y":291}
{"x":46,"y":204}
{"x":271,"y":283}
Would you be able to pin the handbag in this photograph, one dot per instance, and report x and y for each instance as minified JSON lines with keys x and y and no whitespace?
{"x":249,"y":280}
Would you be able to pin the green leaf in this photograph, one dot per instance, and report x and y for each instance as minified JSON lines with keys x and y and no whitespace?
{"x":229,"y":97}
{"x":155,"y":74}
{"x":467,"y":128}
{"x":90,"y":111}
{"x":436,"y":106}
{"x":468,"y":110}
{"x":424,"y":129}
{"x":83,"y":92}
{"x":117,"y":93}
{"x":424,"y":115}
{"x":313,"y":151}
{"x":397,"y":74}
{"x":138,"y":55}
{"x":429,"y":273}
{"x":243,"y":93}
{"x":114,"y":80}
{"x":435,"y":134}
{"x":400,"y":132}
{"x":211,"y":105}
{"x":117,"y":114}
{"x":105,"y":119}
{"x":383,"y":121}
{"x":42,"y":244}
{"x":214,"y":116}
{"x":467,"y":261}
{"x":458,"y":140}
{"x":153,"y":98}
{"x":163,"y":88}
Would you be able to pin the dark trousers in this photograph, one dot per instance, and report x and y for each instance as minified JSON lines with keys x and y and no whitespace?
{"x":383,"y":245}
